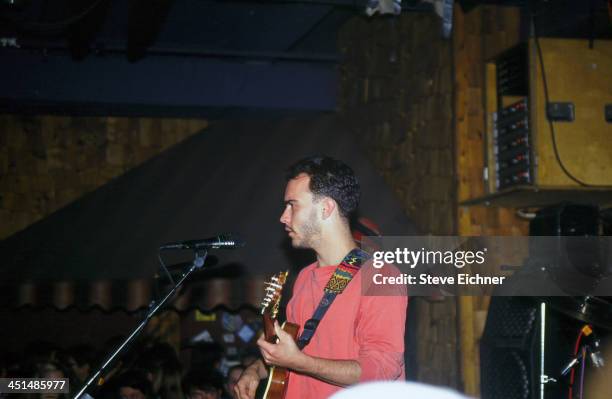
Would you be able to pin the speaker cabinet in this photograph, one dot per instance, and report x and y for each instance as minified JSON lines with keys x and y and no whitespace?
{"x":510,"y":349}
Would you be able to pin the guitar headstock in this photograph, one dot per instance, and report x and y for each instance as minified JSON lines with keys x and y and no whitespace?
{"x":272,"y":295}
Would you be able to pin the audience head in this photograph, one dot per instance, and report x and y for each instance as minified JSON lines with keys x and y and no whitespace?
{"x":163,"y":368}
{"x":203,"y":384}
{"x":133,"y":384}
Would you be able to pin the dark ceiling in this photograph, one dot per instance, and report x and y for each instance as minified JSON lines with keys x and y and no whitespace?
{"x":171,"y":56}
{"x":161,"y":56}
{"x":247,"y":29}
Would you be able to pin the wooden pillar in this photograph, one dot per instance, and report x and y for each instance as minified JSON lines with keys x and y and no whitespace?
{"x":478,"y":35}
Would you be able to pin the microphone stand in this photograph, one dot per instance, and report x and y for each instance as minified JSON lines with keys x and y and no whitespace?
{"x":197,"y":263}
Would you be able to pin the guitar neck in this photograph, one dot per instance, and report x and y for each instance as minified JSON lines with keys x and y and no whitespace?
{"x":270,"y":304}
{"x":268,"y":325}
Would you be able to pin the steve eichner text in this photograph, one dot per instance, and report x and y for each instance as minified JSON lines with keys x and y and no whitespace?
{"x":405,"y":256}
{"x":426,"y":279}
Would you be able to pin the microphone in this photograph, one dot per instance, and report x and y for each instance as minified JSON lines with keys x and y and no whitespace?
{"x":225,"y":241}
{"x":595,"y":349}
{"x":571,"y":364}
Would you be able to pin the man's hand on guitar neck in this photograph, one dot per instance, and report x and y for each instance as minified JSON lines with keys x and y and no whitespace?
{"x":285,"y":353}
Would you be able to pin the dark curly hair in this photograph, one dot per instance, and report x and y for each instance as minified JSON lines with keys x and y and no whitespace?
{"x":331,"y":178}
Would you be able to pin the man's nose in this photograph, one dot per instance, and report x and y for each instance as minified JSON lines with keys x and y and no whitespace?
{"x":284,"y":218}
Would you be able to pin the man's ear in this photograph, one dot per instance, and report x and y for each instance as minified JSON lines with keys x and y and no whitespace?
{"x":328,"y":207}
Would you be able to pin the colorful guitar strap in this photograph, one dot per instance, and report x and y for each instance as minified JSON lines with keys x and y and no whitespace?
{"x":343,"y":275}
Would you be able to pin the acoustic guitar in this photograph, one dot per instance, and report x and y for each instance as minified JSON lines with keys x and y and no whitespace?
{"x":278,"y":377}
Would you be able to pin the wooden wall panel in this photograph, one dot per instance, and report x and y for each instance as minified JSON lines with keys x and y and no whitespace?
{"x":478,"y":36}
{"x":397,"y":96}
{"x":49,"y":161}
{"x":581,"y":75}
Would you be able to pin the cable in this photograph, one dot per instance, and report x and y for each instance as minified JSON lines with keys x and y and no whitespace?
{"x":550,"y":123}
{"x":582,"y":370}
{"x":165,"y":269}
{"x":573,"y":372}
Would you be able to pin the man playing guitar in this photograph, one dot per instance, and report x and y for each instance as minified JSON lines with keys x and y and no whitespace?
{"x":361,"y":337}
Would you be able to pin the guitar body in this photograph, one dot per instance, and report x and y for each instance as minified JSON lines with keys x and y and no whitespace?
{"x":278,"y":377}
